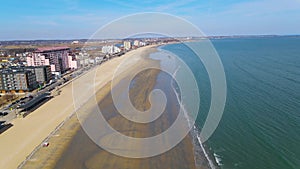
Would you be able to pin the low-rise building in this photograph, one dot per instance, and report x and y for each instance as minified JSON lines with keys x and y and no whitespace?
{"x":110,"y":49}
{"x":82,"y":59}
{"x":73,"y":62}
{"x":98,"y":59}
{"x":91,"y":61}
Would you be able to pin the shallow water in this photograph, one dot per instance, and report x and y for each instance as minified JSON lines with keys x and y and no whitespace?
{"x":261,"y":123}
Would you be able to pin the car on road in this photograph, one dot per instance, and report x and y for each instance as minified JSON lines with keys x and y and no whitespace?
{"x":23,"y":98}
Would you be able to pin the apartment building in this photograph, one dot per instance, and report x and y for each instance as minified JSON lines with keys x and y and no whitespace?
{"x":17,"y":80}
{"x":55,"y":57}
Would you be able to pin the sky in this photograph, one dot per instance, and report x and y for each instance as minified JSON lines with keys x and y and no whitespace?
{"x":79,"y":19}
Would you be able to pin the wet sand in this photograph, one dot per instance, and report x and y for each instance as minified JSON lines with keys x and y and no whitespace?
{"x":91,"y":156}
{"x":72,"y":148}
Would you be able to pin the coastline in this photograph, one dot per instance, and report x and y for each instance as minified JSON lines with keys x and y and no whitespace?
{"x":56,"y":155}
{"x":92,"y":156}
{"x":28,"y":133}
{"x":202,"y":158}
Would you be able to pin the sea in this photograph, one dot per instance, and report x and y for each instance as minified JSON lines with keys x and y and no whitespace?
{"x":260,"y":125}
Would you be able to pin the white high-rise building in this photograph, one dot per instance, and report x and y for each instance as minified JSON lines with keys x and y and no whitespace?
{"x":127,"y":45}
{"x":110,"y":49}
{"x":136,"y":43}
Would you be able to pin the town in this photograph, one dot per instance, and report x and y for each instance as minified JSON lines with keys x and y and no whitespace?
{"x":33,"y":72}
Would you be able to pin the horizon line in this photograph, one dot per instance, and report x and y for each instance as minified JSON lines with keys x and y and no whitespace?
{"x":74,"y":39}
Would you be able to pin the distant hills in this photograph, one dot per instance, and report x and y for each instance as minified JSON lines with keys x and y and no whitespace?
{"x":47,"y":42}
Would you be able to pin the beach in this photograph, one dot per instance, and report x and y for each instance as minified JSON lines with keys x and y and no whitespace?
{"x":26,"y":134}
{"x":92,"y":156}
{"x":70,"y":147}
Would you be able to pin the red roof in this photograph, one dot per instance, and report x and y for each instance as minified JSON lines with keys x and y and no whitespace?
{"x":46,"y":49}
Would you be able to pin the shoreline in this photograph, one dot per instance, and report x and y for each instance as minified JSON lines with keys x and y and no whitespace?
{"x":28,"y":133}
{"x":200,"y":155}
{"x":92,"y":156}
{"x":73,"y":117}
{"x":52,"y":158}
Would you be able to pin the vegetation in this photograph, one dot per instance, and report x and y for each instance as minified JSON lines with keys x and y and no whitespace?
{"x":7,"y":98}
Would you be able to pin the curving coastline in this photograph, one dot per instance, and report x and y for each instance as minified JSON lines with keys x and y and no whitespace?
{"x":71,"y":148}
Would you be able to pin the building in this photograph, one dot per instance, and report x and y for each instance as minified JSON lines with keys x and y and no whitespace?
{"x":136,"y":43}
{"x":127,"y":45}
{"x":82,"y":59}
{"x":92,"y":61}
{"x":75,"y":42}
{"x":84,"y":62}
{"x":17,"y":80}
{"x":142,"y":43}
{"x":110,"y":49}
{"x":99,"y":59}
{"x":73,"y":62}
{"x":55,"y":57}
{"x":42,"y":73}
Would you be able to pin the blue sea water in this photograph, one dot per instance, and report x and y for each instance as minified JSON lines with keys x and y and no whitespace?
{"x":260,"y":127}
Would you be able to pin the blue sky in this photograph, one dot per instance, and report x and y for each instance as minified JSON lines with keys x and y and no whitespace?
{"x":72,"y":19}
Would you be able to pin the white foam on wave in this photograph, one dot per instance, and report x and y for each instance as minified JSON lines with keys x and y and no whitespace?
{"x":210,"y":162}
{"x":197,"y":139}
{"x":218,"y":159}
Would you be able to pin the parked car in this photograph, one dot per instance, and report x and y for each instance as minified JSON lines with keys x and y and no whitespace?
{"x":3,"y":113}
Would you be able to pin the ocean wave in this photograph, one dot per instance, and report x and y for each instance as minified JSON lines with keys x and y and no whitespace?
{"x":194,"y":132}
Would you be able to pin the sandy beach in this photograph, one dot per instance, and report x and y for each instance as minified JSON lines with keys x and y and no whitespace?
{"x":83,"y":153}
{"x":26,"y":134}
{"x":70,"y":147}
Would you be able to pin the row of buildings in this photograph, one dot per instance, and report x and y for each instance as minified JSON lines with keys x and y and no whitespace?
{"x":133,"y":44}
{"x":42,"y":63}
{"x":126,"y":46}
{"x":40,"y":66}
